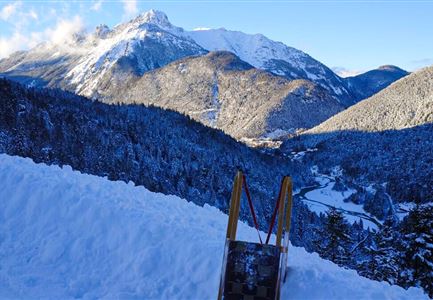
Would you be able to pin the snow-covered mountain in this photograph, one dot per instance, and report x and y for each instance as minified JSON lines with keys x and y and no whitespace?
{"x":276,"y":57}
{"x":128,"y":64}
{"x":69,"y":235}
{"x":142,"y":44}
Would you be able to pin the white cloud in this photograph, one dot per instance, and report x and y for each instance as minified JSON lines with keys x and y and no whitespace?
{"x":64,"y":30}
{"x":130,"y":8}
{"x":53,"y":12}
{"x":97,"y":5}
{"x":343,"y":72}
{"x":61,"y":34}
{"x":418,"y":64}
{"x":201,"y":29}
{"x":33,"y":15}
{"x":14,"y":43}
{"x":17,"y":17}
{"x":9,"y":10}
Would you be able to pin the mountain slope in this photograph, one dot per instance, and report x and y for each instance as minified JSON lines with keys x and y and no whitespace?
{"x":151,"y":41}
{"x":222,"y":91}
{"x":70,"y":235}
{"x":369,"y":83}
{"x":129,"y":64}
{"x":406,"y":103}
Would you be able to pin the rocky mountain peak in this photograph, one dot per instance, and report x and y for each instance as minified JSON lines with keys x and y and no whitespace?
{"x":102,"y":31}
{"x":154,"y":17}
{"x":392,"y":68}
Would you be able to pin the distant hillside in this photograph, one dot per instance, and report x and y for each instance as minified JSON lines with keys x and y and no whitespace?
{"x":406,"y":103}
{"x":275,"y":57}
{"x":369,"y":83}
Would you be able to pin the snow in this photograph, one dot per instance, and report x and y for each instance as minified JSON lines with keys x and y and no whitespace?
{"x":402,"y":209}
{"x":321,"y":197}
{"x":67,"y":235}
{"x":103,"y":49}
{"x":201,"y":28}
{"x":278,"y":133}
{"x":256,"y":49}
{"x":334,"y":198}
{"x":299,"y":155}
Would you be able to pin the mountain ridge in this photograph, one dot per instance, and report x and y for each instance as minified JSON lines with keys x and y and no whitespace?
{"x":104,"y":64}
{"x":367,"y":84}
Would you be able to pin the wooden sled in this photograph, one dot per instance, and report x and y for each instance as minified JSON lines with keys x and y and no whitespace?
{"x":256,"y":271}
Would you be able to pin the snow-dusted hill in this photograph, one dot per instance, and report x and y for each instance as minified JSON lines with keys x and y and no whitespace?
{"x":369,"y":83}
{"x":384,"y":141}
{"x":406,"y":103}
{"x":65,"y":235}
{"x":222,"y":91}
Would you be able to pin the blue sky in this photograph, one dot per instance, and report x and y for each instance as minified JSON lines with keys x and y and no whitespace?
{"x":350,"y":34}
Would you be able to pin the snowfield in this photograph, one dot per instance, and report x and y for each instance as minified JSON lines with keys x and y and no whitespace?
{"x":66,"y":235}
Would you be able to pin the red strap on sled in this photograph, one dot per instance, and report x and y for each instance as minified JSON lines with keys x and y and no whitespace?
{"x":274,"y":215}
{"x":250,"y":203}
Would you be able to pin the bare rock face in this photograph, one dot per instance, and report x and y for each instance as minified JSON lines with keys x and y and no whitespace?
{"x":222,"y":91}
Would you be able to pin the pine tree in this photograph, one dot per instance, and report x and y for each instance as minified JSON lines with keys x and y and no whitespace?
{"x":334,"y":240}
{"x":384,"y":254}
{"x":418,"y":232}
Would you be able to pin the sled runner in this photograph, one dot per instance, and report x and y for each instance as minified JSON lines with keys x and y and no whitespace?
{"x":255,"y":271}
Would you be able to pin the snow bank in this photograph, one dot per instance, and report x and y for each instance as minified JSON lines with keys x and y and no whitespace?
{"x":64,"y":234}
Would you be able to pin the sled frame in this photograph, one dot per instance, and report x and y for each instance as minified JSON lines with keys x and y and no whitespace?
{"x":283,"y":228}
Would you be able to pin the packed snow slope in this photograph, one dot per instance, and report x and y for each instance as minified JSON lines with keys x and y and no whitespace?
{"x":64,"y":235}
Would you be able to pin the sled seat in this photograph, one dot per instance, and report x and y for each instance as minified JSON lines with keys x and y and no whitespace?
{"x":251,"y":271}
